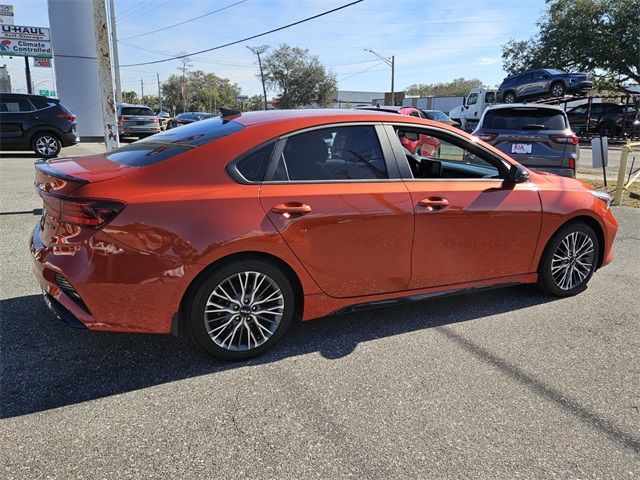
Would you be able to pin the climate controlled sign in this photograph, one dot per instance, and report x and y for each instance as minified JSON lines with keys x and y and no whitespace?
{"x":21,"y":41}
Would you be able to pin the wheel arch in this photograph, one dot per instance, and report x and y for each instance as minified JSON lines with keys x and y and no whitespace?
{"x":43,"y":129}
{"x":587,"y":220}
{"x":180,"y":316}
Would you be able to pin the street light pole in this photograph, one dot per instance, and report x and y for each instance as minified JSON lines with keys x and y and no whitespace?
{"x":390,"y":62}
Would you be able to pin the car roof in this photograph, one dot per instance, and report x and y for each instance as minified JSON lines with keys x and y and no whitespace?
{"x":327,"y":115}
{"x":502,"y":106}
{"x":133,"y":105}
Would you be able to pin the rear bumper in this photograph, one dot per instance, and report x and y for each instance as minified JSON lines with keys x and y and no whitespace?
{"x":68,"y":139}
{"x":106,"y":285}
{"x":139,"y":130}
{"x":579,"y":87}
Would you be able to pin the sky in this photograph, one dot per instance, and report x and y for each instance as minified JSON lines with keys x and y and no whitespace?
{"x":431,"y":40}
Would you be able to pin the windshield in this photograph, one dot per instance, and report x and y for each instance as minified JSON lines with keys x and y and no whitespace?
{"x":524,"y":119}
{"x":436,"y":115}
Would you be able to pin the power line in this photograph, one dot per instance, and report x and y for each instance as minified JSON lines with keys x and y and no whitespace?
{"x":247,"y":38}
{"x":362,"y":71}
{"x":186,"y":21}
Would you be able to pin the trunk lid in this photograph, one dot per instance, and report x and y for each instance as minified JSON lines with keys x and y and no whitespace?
{"x":58,"y":179}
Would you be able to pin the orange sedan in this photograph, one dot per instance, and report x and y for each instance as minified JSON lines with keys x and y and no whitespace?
{"x":231,"y":228}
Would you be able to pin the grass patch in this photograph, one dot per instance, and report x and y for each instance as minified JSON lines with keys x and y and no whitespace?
{"x":630,"y":197}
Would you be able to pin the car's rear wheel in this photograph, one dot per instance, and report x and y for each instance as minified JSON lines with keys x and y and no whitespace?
{"x":569,"y":260}
{"x":241,"y":309}
{"x":509,"y":97}
{"x":46,"y":144}
{"x":557,"y":90}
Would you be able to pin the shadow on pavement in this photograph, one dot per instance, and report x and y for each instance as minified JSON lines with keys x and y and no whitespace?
{"x":45,"y":364}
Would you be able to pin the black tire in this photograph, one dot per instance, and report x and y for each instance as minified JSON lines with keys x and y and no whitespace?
{"x":558,"y":89}
{"x":551,"y":277}
{"x":510,"y":97}
{"x":46,"y":144}
{"x":242,"y":321}
{"x":607,"y":129}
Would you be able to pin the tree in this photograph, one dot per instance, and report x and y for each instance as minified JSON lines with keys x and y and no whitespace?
{"x":459,"y":87}
{"x":206,"y":92}
{"x":300,"y":78}
{"x":598,"y":36}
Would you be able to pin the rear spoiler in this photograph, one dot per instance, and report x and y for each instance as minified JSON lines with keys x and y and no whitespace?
{"x":44,"y":167}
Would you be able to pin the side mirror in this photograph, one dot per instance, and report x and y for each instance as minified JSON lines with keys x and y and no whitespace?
{"x":517,"y":175}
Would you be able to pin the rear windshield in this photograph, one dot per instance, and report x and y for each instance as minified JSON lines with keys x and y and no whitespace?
{"x":164,"y":145}
{"x":524,"y":119}
{"x":141,"y":111}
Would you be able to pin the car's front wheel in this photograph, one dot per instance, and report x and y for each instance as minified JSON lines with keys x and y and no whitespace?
{"x":47,"y":145}
{"x":241,"y":309}
{"x":569,"y":260}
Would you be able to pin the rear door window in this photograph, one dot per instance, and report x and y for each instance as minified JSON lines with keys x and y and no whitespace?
{"x":164,"y":145}
{"x":15,"y":105}
{"x":524,"y":119}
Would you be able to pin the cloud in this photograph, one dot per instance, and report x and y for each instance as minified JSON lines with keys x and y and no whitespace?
{"x":488,"y":60}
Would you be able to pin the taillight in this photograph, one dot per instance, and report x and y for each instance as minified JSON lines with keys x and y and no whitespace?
{"x":66,"y":116}
{"x":572,"y":139}
{"x":154,"y":119}
{"x":485,"y":137}
{"x":120,"y":120}
{"x":572,"y":163}
{"x":90,"y":214}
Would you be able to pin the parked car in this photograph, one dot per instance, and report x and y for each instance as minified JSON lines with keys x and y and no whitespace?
{"x":537,"y":136}
{"x":163,"y":119}
{"x":605,"y":119}
{"x":33,"y":122}
{"x":439,"y":116}
{"x":186,"y":118}
{"x":423,"y":144}
{"x":230,"y":229}
{"x":541,"y":83}
{"x":136,"y":121}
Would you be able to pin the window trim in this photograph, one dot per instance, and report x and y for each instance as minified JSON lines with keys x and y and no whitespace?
{"x":385,"y":146}
{"x":403,"y":165}
{"x":7,"y":99}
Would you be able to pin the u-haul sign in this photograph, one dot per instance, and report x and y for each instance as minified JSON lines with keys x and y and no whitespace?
{"x":24,"y":41}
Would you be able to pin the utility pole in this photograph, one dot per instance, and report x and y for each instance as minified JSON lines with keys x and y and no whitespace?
{"x":159,"y":93}
{"x":114,"y":49}
{"x":392,"y":63}
{"x":27,"y":71}
{"x":257,"y":51}
{"x":103,"y":55}
{"x":141,"y":91}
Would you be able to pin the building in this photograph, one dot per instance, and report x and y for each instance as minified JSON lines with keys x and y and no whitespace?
{"x":5,"y":80}
{"x":350,"y":99}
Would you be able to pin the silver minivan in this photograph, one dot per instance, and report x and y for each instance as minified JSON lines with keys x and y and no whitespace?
{"x":537,"y":136}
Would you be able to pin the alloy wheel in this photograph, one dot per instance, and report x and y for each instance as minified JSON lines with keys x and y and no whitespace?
{"x":573,"y":260}
{"x":557,"y":90}
{"x":47,"y":145}
{"x":244,"y":311}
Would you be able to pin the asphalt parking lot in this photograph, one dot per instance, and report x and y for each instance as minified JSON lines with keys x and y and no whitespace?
{"x":509,"y":383}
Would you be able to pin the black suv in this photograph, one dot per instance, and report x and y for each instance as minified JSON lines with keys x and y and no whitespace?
{"x":605,"y":119}
{"x":32,"y":122}
{"x":541,"y":83}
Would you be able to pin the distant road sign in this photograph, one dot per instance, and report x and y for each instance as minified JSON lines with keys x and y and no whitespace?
{"x":42,"y":62}
{"x":25,"y":41}
{"x":47,"y":93}
{"x":6,"y":14}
